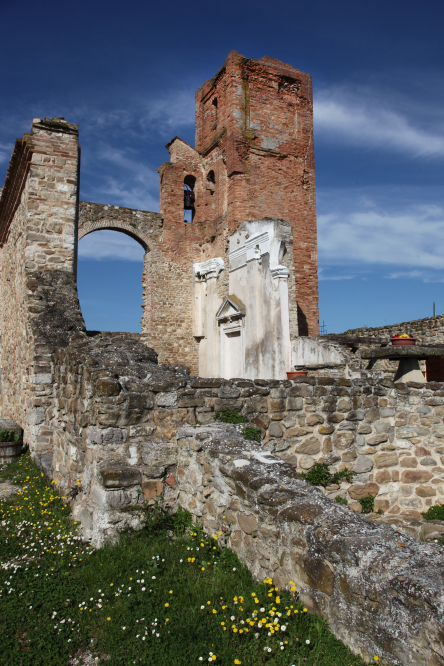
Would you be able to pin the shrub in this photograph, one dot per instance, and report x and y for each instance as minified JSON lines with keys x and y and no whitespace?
{"x":341,"y":500}
{"x":368,"y":504}
{"x":229,"y":416}
{"x":249,"y":432}
{"x":320,"y":475}
{"x":434,"y":512}
{"x":8,"y":436}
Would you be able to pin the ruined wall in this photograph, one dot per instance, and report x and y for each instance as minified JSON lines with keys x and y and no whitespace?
{"x":145,"y":227}
{"x":381,"y":592}
{"x":428,"y":331}
{"x":390,"y":435}
{"x":247,"y":168}
{"x":127,"y":429}
{"x":38,"y":219}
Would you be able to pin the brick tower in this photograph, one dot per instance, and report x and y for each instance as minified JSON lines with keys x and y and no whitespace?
{"x":254,"y":158}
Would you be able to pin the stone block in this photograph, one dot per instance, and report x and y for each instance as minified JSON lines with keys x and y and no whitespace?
{"x":166,"y":399}
{"x":247,"y":522}
{"x":152,"y":489}
{"x":192,"y":401}
{"x":159,"y":454}
{"x":310,"y":447}
{"x":356,"y":506}
{"x":120,"y":476}
{"x":425,"y":491}
{"x":343,"y":440}
{"x":275,"y":430}
{"x":383,"y":476}
{"x":363,"y":464}
{"x":361,"y":490}
{"x":107,"y":387}
{"x":306,"y":462}
{"x":382,"y":504}
{"x":386,"y":459}
{"x":407,"y":432}
{"x":376,"y":440}
{"x":313,"y":419}
{"x":415,"y":476}
{"x":336,"y":417}
{"x":325,"y":430}
{"x":349,"y":456}
{"x":408,"y":461}
{"x":355,"y":415}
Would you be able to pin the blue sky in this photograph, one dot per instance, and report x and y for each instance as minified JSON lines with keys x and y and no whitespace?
{"x":127,"y":73}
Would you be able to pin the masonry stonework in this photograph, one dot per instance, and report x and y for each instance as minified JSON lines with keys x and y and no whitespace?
{"x":100,"y":406}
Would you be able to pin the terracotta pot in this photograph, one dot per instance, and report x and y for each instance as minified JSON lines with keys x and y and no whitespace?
{"x":297,"y":373}
{"x":403,"y":342}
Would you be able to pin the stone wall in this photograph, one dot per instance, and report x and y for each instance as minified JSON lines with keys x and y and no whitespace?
{"x":390,"y":435}
{"x":381,"y":592}
{"x":428,"y":331}
{"x":40,"y":309}
{"x":126,"y":429}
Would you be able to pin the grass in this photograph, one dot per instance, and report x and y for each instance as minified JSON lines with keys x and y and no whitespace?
{"x":153,"y":598}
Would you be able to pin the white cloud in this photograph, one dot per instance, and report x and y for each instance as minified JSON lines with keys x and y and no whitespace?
{"x":5,"y":152}
{"x":169,"y":113}
{"x":136,"y":187}
{"x":364,"y":117}
{"x":104,"y":244}
{"x":361,"y":234}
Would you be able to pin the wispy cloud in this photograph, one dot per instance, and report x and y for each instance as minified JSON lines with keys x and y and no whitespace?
{"x":361,"y":233}
{"x":5,"y":152}
{"x":135,"y":186}
{"x":363,"y":117}
{"x":102,"y":245}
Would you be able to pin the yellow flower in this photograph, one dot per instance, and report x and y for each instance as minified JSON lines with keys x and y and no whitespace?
{"x":111,"y":584}
{"x":234,"y":630}
{"x":214,"y":611}
{"x":166,"y":605}
{"x":278,"y":600}
{"x":171,"y":591}
{"x":203,"y":568}
{"x":108,"y":618}
{"x":237,"y":662}
{"x":222,"y":624}
{"x":305,"y":610}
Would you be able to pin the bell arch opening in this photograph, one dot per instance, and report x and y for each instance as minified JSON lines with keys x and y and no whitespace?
{"x":111,"y":279}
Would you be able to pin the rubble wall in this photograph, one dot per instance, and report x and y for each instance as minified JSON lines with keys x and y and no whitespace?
{"x":40,"y":309}
{"x":126,"y":430}
{"x":428,"y":331}
{"x":391,"y":436}
{"x":381,"y":592}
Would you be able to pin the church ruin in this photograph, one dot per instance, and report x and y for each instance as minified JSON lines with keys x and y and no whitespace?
{"x":230,"y":304}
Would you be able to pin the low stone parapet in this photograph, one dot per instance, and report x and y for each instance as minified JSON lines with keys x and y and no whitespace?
{"x":381,"y":592}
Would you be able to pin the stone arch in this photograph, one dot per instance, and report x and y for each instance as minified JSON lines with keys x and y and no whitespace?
{"x":115,"y":225}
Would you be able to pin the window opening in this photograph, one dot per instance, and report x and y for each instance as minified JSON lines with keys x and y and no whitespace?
{"x":214,"y":102}
{"x":188,"y":198}
{"x":211,"y":182}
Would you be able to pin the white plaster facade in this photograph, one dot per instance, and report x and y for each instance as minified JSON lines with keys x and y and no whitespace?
{"x":247,"y":334}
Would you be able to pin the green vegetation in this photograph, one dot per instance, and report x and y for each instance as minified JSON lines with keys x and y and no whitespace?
{"x":341,"y":500}
{"x":434,"y":512}
{"x":250,"y":432}
{"x":368,"y":504}
{"x":153,"y":598}
{"x":8,"y":436}
{"x":230,"y":416}
{"x":320,"y":475}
